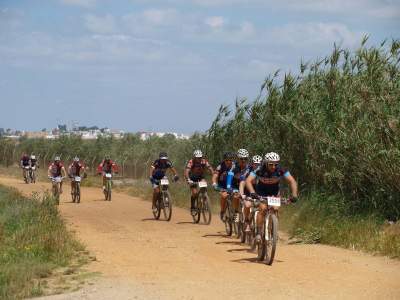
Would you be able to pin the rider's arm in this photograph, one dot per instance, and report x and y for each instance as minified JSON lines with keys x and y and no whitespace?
{"x":249,"y":183}
{"x":49,"y":171}
{"x":63,"y":172}
{"x":174,"y":171}
{"x":151,"y":171}
{"x":215,"y":178}
{"x":242,"y":186}
{"x":186,"y":173}
{"x":292,"y":184}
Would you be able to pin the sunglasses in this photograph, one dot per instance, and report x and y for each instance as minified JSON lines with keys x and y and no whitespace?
{"x":243,"y":159}
{"x":272,"y":164}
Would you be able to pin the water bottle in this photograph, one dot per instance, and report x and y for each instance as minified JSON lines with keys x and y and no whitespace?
{"x":229,"y":179}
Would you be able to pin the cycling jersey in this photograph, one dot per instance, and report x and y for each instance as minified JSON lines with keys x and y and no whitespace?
{"x":267,"y":183}
{"x":55,"y":169}
{"x":75,"y":169}
{"x":25,"y":161}
{"x":107,"y":167}
{"x":33,"y":162}
{"x":197,"y":168}
{"x":222,"y":171}
{"x":160,"y":167}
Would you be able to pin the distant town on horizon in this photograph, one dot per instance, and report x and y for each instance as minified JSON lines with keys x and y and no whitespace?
{"x":85,"y":132}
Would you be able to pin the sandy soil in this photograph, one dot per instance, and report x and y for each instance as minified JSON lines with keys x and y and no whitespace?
{"x":141,"y":258}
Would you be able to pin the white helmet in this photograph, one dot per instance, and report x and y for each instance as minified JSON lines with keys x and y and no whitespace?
{"x":197,"y":154}
{"x":76,"y":159}
{"x":33,"y":156}
{"x":57,"y":158}
{"x":272,"y":156}
{"x":242,"y":153}
{"x":257,"y":159}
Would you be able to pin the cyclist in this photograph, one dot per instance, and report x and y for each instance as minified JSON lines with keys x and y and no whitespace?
{"x":25,"y":162}
{"x":220,"y":181}
{"x":157,"y":172}
{"x":194,"y":172}
{"x":107,"y":166}
{"x":265,"y":182}
{"x":76,"y":169}
{"x":244,"y":192}
{"x":33,"y":161}
{"x":57,"y":169}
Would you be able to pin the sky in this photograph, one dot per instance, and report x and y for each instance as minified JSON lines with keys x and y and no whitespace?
{"x":163,"y":65}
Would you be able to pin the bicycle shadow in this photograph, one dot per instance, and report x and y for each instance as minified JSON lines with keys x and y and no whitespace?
{"x":219,"y":234}
{"x":254,"y":260}
{"x":152,"y":219}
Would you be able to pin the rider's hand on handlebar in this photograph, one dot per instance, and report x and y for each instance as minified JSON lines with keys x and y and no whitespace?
{"x":293,"y":199}
{"x":254,"y":196}
{"x":243,"y":197}
{"x":215,"y":186}
{"x":176,"y":178}
{"x":189,"y":181}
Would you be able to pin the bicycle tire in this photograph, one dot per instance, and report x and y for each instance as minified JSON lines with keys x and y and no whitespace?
{"x":196,"y":217}
{"x":272,"y":232}
{"x":167,"y":205}
{"x":206,"y":209}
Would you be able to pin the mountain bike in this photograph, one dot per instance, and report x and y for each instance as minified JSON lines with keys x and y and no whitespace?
{"x":201,"y":204}
{"x":108,"y":188}
{"x":164,"y":201}
{"x":231,"y":225}
{"x":266,"y":247}
{"x":76,"y":190}
{"x":56,"y":187}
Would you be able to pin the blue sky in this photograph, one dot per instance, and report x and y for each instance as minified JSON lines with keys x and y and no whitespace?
{"x":163,"y":65}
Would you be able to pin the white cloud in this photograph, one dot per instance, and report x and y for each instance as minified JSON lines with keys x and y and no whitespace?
{"x":160,"y":17}
{"x":83,"y":3}
{"x":311,"y":35}
{"x":101,"y":24}
{"x":215,"y":22}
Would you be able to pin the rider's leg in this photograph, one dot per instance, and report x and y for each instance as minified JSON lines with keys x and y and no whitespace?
{"x":224,"y":196}
{"x":156,"y":192}
{"x":61,"y":184}
{"x":262,"y":211}
{"x":193,"y":197}
{"x":72,"y":186}
{"x":104,"y":183}
{"x":246,"y":210}
{"x":235,"y":202}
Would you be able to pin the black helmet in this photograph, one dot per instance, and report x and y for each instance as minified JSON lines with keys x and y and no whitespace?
{"x":229,"y":155}
{"x":163,"y":155}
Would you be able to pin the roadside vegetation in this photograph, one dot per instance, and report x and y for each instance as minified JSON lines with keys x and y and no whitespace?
{"x":336,"y":126}
{"x":34,"y":242}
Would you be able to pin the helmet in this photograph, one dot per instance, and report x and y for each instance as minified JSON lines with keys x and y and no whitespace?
{"x":242,"y":153}
{"x":107,"y":157}
{"x":163,"y":155}
{"x":272,"y":156}
{"x":229,"y":155}
{"x":57,"y":158}
{"x":33,"y":156}
{"x":257,"y":159}
{"x":198,"y":154}
{"x":76,"y":159}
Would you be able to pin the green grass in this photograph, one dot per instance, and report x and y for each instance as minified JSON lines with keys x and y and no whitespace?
{"x":321,"y":218}
{"x":34,"y":241}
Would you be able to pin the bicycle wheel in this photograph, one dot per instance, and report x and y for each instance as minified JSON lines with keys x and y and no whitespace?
{"x":167,"y":205}
{"x":228,"y":220}
{"x":73,"y":193}
{"x":206,"y":209}
{"x":108,"y":190}
{"x":78,"y":193}
{"x":261,"y":245}
{"x":56,"y":193}
{"x":157,"y":212}
{"x":33,"y":177}
{"x":196,"y":217}
{"x":271,"y":232}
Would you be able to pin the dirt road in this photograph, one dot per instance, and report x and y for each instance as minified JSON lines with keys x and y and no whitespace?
{"x":141,"y":258}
